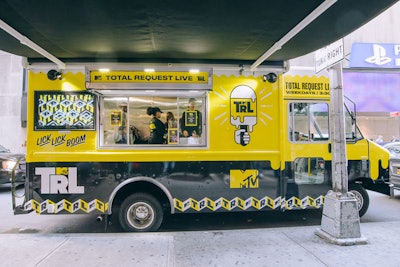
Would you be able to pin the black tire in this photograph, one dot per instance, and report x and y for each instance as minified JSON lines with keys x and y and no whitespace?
{"x":140,"y":212}
{"x":362,"y":198}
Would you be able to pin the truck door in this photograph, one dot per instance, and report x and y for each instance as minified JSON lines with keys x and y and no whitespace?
{"x":307,"y":153}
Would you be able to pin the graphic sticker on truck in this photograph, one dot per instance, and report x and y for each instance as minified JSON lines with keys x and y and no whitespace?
{"x":245,"y":204}
{"x":49,"y":206}
{"x":243,"y":112}
{"x":59,"y":180}
{"x":244,"y":179}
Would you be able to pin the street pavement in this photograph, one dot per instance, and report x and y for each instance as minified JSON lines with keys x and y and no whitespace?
{"x":289,"y":246}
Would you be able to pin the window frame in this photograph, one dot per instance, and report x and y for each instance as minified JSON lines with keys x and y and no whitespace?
{"x":308,"y":137}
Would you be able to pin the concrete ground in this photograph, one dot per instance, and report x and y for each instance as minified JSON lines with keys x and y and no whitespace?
{"x":290,"y":246}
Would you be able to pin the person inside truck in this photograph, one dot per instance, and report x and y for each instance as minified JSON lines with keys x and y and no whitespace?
{"x":191,"y":120}
{"x":120,"y":136}
{"x":171,"y":121}
{"x":121,"y":133}
{"x":157,"y":127}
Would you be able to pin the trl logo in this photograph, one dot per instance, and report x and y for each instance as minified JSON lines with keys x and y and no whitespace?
{"x":60,"y":180}
{"x":243,"y":113}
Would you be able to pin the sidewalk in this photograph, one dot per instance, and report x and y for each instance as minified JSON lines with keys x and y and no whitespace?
{"x":293,"y":246}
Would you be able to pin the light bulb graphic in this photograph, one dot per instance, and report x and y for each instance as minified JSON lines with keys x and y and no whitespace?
{"x":243,"y":112}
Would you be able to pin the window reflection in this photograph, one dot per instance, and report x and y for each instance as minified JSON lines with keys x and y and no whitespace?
{"x":309,"y":170}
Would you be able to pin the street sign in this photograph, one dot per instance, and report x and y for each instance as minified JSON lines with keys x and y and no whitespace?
{"x":329,"y":55}
{"x":395,"y":114}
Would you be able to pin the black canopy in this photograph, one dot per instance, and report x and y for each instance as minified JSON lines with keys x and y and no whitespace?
{"x":177,"y":31}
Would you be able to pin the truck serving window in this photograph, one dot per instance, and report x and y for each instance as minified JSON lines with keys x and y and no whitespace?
{"x":152,"y":120}
{"x":308,"y":122}
{"x":64,"y":110}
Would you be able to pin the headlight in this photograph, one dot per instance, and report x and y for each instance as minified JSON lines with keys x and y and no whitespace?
{"x":8,"y":164}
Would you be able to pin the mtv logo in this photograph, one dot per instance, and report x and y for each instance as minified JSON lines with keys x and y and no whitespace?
{"x":244,"y":179}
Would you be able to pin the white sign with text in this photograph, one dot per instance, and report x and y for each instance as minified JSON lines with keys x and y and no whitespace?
{"x":329,"y":55}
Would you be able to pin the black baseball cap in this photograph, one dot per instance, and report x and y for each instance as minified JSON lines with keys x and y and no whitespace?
{"x":157,"y":109}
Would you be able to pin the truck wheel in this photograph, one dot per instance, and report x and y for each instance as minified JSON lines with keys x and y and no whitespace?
{"x":361,"y":196}
{"x":140,"y":213}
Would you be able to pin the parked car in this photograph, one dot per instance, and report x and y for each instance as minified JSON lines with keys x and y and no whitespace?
{"x":8,"y":162}
{"x":394,"y":149}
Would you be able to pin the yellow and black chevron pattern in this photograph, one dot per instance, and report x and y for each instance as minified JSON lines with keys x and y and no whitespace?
{"x":49,"y":206}
{"x":245,"y":204}
{"x":61,"y":110}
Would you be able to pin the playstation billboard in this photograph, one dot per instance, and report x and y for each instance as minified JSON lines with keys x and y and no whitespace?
{"x":372,"y":55}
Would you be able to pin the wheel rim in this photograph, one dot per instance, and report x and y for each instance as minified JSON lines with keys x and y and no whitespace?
{"x":140,"y":215}
{"x":359,"y":198}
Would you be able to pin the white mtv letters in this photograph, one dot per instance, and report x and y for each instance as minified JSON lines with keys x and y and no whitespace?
{"x":53,"y":182}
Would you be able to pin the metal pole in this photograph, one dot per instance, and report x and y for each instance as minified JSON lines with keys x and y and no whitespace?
{"x":338,"y":133}
{"x":340,"y":223}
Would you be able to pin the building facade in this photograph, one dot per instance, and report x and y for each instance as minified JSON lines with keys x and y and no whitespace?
{"x":12,"y":131}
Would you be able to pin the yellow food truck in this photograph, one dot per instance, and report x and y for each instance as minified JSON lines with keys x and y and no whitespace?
{"x":98,"y":141}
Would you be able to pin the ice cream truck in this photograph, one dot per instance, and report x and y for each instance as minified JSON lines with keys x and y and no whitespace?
{"x":235,"y":140}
